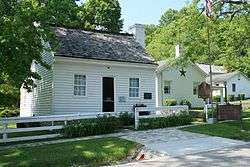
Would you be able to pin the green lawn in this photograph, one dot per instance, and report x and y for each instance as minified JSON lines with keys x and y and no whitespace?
{"x":85,"y":153}
{"x":227,"y":129}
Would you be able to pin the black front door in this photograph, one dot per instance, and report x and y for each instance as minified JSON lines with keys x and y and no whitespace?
{"x":108,"y":94}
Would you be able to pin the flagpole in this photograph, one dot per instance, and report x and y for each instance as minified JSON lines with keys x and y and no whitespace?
{"x":210,"y":61}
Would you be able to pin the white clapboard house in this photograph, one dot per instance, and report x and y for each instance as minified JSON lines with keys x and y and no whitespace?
{"x":179,"y":83}
{"x":227,"y":83}
{"x":93,"y":72}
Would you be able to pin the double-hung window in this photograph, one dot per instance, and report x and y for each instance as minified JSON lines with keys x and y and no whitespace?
{"x":134,"y":87}
{"x":167,"y":87}
{"x":79,"y":85}
{"x":233,"y":87}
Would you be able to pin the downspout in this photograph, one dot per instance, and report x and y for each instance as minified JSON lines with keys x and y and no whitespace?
{"x":225,"y":85}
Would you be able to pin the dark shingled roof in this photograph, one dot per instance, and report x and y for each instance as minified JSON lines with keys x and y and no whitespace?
{"x":78,"y":43}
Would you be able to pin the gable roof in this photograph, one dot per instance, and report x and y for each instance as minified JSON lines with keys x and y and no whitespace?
{"x":166,"y":64}
{"x":76,"y":43}
{"x":219,"y":78}
{"x":215,"y":69}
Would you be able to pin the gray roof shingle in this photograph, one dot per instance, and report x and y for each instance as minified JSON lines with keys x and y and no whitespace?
{"x":78,"y":43}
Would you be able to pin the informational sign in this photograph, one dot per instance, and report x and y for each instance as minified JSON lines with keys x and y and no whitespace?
{"x":204,"y":90}
{"x":122,"y":99}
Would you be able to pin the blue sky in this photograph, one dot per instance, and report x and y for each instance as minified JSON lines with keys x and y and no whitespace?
{"x":146,"y":11}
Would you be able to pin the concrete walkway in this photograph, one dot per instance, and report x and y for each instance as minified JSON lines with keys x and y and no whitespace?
{"x":238,"y":156}
{"x":174,"y":142}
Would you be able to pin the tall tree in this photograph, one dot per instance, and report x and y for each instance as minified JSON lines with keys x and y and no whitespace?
{"x":230,"y":39}
{"x":168,"y":17}
{"x":102,"y":14}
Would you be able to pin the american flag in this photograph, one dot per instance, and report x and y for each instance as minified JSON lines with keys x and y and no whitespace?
{"x":209,"y":7}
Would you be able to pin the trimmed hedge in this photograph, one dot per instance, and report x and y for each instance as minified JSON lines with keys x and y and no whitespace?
{"x":90,"y":127}
{"x":127,"y":119}
{"x":186,"y":102}
{"x":170,"y":102}
{"x":163,"y":122}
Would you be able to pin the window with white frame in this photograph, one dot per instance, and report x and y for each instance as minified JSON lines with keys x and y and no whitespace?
{"x":167,"y":87}
{"x":134,"y":87}
{"x":79,"y":85}
{"x":195,"y":88}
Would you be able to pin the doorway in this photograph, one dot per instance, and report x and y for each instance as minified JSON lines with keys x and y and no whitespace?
{"x":108,"y":104}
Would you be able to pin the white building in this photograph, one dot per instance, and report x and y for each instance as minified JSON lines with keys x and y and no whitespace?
{"x":93,"y":72}
{"x":234,"y":83}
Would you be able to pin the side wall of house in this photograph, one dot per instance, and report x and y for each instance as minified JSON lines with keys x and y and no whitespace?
{"x":66,"y":103}
{"x":39,"y":101}
{"x":181,"y":87}
{"x":242,"y":85}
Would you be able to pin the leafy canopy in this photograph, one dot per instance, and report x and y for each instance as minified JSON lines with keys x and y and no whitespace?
{"x":102,"y":14}
{"x":230,"y":39}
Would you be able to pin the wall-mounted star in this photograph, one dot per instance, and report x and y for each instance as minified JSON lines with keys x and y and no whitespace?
{"x":183,"y":72}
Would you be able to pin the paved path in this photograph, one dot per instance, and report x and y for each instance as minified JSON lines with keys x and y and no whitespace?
{"x":238,"y":156}
{"x":173,"y":142}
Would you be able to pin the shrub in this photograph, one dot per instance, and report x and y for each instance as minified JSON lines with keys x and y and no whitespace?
{"x":216,"y":98}
{"x":89,"y":127}
{"x":126,"y":118}
{"x":186,"y":102}
{"x":241,"y":97}
{"x":231,"y":97}
{"x":163,"y":122}
{"x":170,"y":102}
{"x":212,"y":113}
{"x":9,"y":112}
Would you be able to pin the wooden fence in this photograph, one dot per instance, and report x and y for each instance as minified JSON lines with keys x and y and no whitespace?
{"x":50,"y":124}
{"x":163,"y":111}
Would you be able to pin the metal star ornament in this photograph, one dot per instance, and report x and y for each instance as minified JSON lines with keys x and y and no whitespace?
{"x":183,"y":72}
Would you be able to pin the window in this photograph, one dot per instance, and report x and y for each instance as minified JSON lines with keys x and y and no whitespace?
{"x":234,"y":87}
{"x":79,"y":85}
{"x":133,"y":87}
{"x":195,"y":88}
{"x":167,"y":87}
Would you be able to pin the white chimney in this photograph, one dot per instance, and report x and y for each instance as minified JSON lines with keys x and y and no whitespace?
{"x":177,"y":51}
{"x":138,"y":30}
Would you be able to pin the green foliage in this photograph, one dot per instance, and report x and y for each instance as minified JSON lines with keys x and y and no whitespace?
{"x":170,"y":102}
{"x":241,"y":97}
{"x":231,"y":97}
{"x":230,"y":39}
{"x":216,"y":98}
{"x":186,"y":102}
{"x":89,"y":127}
{"x":163,"y":122}
{"x":126,"y":119}
{"x":102,"y":14}
{"x":168,"y":17}
{"x":212,"y":113}
{"x":150,"y":31}
{"x":9,"y":112}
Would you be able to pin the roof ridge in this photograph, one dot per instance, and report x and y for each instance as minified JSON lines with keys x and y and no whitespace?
{"x":95,"y":31}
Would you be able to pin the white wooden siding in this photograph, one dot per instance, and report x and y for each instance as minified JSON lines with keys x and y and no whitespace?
{"x":181,"y":87}
{"x":39,"y":101}
{"x":65,"y":102}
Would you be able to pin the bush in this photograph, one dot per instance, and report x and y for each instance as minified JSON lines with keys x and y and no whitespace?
{"x":126,"y":119}
{"x":170,"y":102}
{"x":186,"y":102}
{"x":10,"y":112}
{"x":216,"y":99}
{"x":90,"y":127}
{"x":163,"y":122}
{"x":212,"y":113}
{"x":241,"y":97}
{"x":231,"y":97}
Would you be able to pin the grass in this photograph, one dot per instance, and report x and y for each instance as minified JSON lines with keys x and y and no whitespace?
{"x":94,"y":152}
{"x":226,"y":129}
